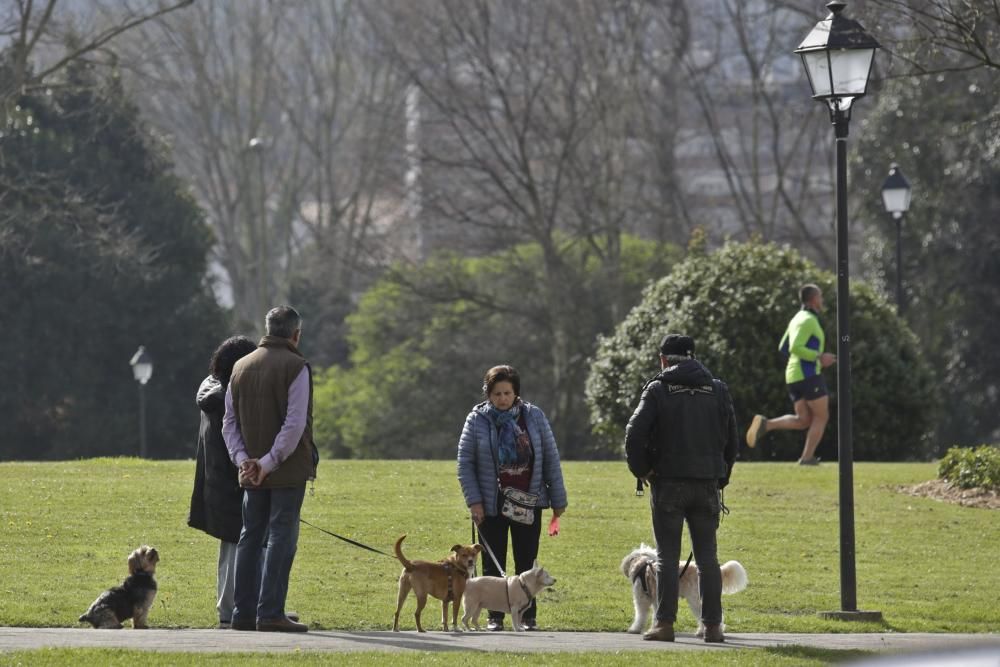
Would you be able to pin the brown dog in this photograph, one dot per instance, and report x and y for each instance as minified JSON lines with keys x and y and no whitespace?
{"x":444,"y":580}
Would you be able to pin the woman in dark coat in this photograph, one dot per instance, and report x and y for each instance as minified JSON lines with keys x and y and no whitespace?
{"x":217,"y":500}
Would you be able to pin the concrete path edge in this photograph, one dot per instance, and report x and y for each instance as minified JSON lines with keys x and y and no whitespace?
{"x":231,"y":641}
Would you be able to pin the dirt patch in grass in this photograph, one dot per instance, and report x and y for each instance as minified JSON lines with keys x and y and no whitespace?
{"x":938,"y":489}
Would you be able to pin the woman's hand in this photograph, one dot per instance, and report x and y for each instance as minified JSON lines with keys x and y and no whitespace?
{"x":477,"y":513}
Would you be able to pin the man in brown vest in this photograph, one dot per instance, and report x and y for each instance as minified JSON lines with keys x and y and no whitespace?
{"x":268,"y":432}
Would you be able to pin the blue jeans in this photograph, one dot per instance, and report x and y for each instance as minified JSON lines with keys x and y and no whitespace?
{"x":261,"y":589}
{"x":696,"y":500}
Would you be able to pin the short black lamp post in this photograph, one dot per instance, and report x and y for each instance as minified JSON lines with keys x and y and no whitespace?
{"x":142,"y":369}
{"x":838,"y":56}
{"x":896,"y":198}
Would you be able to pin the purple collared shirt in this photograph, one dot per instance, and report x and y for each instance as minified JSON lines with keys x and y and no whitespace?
{"x":288,"y":437}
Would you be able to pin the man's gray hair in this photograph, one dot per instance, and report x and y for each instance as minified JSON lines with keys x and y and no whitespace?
{"x":674,"y":359}
{"x":282,"y":322}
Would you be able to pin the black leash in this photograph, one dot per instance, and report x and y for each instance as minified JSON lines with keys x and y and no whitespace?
{"x":348,"y":540}
{"x":685,"y":568}
{"x":723,"y":511}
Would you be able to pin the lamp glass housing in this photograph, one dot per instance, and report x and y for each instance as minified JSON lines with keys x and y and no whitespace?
{"x":896,"y":192}
{"x":838,"y":72}
{"x":896,"y":200}
{"x":143,"y":371}
{"x":142,"y":365}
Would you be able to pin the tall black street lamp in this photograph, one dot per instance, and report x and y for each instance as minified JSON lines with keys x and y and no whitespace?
{"x":896,"y":198}
{"x":838,"y":56}
{"x":142,"y":369}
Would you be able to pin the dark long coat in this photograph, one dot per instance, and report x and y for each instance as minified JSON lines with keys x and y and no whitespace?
{"x":217,"y":500}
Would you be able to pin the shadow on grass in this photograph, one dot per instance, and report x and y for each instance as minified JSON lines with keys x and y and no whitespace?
{"x":403,"y":640}
{"x":825,"y":655}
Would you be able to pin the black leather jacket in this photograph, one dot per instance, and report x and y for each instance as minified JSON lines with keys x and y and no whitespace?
{"x":684,"y":427}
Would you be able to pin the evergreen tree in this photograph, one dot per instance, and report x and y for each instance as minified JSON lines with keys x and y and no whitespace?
{"x":418,"y":353}
{"x":101,"y":250}
{"x":944,"y":132}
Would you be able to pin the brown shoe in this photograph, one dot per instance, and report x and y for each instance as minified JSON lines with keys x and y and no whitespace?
{"x":283,"y":624}
{"x":757,"y":430}
{"x":662,"y":631}
{"x":245,"y":626}
{"x":713,"y":634}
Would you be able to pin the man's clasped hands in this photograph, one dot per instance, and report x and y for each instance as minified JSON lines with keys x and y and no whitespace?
{"x":251,"y":474}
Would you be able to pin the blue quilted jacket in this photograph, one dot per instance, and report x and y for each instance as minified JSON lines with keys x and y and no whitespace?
{"x":477,"y":460}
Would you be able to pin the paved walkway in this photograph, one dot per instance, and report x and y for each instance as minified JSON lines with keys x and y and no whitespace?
{"x":228,"y":641}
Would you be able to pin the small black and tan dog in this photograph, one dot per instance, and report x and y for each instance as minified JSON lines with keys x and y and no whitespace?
{"x":132,"y":599}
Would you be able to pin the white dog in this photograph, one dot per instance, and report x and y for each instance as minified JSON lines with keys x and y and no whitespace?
{"x":641,"y":568}
{"x":507,"y":594}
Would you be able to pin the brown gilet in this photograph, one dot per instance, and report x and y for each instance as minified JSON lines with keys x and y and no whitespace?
{"x":260,"y":384}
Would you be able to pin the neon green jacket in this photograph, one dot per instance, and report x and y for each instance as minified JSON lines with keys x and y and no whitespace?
{"x":802,"y":344}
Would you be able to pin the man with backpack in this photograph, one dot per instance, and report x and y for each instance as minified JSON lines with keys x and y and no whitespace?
{"x":682,"y":439}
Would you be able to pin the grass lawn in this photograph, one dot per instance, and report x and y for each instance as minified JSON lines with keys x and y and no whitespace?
{"x":795,"y":656}
{"x":927,"y":566}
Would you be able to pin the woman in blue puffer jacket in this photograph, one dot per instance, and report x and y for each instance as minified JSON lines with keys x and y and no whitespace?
{"x":508,"y":443}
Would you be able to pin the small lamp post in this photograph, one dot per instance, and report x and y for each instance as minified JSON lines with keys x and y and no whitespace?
{"x":142,"y":369}
{"x":838,"y":56}
{"x":896,"y":198}
{"x":258,"y":147}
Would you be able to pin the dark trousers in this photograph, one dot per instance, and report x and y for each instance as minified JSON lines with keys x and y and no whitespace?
{"x":261,"y":588}
{"x":697,"y":501}
{"x":524,"y":543}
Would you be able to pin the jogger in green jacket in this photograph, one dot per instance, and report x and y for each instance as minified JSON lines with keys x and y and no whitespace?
{"x":803,"y":345}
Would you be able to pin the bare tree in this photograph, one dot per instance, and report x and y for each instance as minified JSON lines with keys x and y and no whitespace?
{"x":531,"y":132}
{"x":757,"y":161}
{"x":279,"y":114}
{"x":42,"y":41}
{"x":931,"y":36}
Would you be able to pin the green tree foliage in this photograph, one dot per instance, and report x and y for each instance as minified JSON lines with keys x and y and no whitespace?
{"x":418,"y":354}
{"x":101,"y":250}
{"x":944,"y":132}
{"x":736,"y":303}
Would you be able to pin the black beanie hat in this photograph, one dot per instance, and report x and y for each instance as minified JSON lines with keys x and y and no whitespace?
{"x":677,"y":345}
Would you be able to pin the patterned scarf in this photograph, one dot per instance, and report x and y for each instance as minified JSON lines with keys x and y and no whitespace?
{"x":506,"y":421}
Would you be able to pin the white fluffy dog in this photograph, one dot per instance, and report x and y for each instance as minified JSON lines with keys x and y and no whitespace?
{"x":641,"y":568}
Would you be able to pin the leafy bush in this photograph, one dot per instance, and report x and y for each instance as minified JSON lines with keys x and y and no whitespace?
{"x":736,"y":303}
{"x":970,"y":467}
{"x":423,"y":336}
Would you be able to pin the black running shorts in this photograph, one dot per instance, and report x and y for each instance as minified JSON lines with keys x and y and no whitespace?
{"x":809,"y":389}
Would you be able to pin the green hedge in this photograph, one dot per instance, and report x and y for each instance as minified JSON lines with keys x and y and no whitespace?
{"x":970,"y":467}
{"x":736,"y":303}
{"x":422,"y":337}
